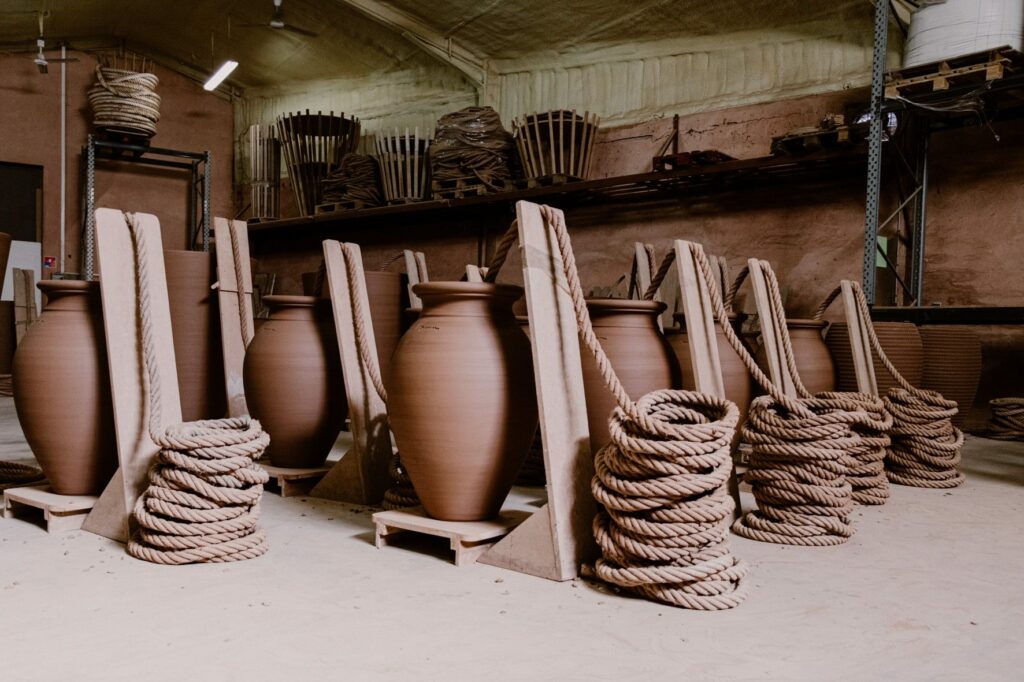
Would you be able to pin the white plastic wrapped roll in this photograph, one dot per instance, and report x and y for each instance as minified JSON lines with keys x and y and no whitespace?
{"x":957,"y":27}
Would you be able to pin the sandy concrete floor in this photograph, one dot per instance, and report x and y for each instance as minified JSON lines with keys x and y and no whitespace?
{"x":929,"y":588}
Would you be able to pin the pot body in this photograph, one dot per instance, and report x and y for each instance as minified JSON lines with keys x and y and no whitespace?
{"x":461,"y":398}
{"x":62,"y":390}
{"x":293,"y":381}
{"x":739,"y":385}
{"x":195,"y":328}
{"x":901,"y":342}
{"x":951,"y":365}
{"x":638,"y":352}
{"x":813,"y":361}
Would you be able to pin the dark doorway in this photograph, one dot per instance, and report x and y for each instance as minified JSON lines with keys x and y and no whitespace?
{"x":21,"y":201}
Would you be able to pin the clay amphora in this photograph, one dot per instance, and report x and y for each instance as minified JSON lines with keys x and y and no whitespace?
{"x":901,"y":343}
{"x":461,"y":398}
{"x":293,"y":381}
{"x":639,"y":354}
{"x":813,"y":361}
{"x":195,"y":328}
{"x":739,"y":385}
{"x":952,"y":365}
{"x":62,"y":390}
{"x":385,"y":294}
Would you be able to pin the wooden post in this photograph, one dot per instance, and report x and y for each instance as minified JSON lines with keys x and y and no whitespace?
{"x":416,"y":269}
{"x":361,"y":476}
{"x":860,"y":345}
{"x":772,"y":330}
{"x":232,"y":335}
{"x":557,"y":538}
{"x":135,"y":448}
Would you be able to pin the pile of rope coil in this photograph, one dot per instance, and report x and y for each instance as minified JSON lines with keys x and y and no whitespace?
{"x":125,"y":100}
{"x":1007,"y":421}
{"x":471,"y":143}
{"x":356,"y":179}
{"x":202,"y":502}
{"x":662,"y":480}
{"x":14,"y":475}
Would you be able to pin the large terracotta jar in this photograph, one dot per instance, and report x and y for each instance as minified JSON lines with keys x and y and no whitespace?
{"x":952,"y":365}
{"x":386,"y":297}
{"x":639,"y":354}
{"x":902,"y":345}
{"x":62,"y":390}
{"x":461,"y":398}
{"x":293,"y":381}
{"x":813,"y":361}
{"x":195,"y":328}
{"x":739,"y":385}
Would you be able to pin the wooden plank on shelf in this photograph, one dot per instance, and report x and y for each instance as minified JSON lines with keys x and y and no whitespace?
{"x":232,"y":333}
{"x":135,"y":449}
{"x":557,"y":539}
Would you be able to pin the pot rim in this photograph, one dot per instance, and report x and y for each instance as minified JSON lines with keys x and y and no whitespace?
{"x":624,"y":305}
{"x":805,"y":323}
{"x":291,"y":301}
{"x":67,"y":286}
{"x":680,"y":318}
{"x":468,"y":289}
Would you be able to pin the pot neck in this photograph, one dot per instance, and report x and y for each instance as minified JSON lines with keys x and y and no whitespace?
{"x":624,"y":313}
{"x":468,"y":299}
{"x":298,"y":308}
{"x":71,"y":295}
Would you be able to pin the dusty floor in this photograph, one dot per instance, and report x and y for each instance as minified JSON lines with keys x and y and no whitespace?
{"x":929,"y":588}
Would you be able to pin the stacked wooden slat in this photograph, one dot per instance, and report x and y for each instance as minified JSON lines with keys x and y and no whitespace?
{"x":556,"y":146}
{"x":313,"y":146}
{"x":264,"y":171}
{"x":403,"y":163}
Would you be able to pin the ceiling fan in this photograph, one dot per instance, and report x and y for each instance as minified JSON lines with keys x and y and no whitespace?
{"x":41,"y":62}
{"x":277,"y":22}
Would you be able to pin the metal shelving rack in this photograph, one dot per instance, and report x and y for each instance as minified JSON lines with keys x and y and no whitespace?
{"x":917,"y":123}
{"x":198,"y":164}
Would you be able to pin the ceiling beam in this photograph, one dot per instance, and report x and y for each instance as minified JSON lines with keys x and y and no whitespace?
{"x":426,"y":38}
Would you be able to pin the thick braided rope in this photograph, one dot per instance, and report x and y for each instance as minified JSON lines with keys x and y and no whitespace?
{"x":734,"y":289}
{"x":925,"y":450}
{"x":126,"y":100}
{"x":802,"y":448}
{"x":243,"y":298}
{"x":202,"y":502}
{"x":1007,"y":421}
{"x":13,"y":475}
{"x":401,"y":494}
{"x":662,"y":482}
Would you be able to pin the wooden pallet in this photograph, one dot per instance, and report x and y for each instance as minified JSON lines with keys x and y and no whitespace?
{"x":292,"y":482}
{"x":460,"y":188}
{"x":554,"y":179}
{"x":61,"y":513}
{"x":978,"y":67}
{"x":350,"y":205}
{"x":469,"y":539}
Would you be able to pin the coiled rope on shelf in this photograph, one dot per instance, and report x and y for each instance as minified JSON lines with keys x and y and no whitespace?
{"x":125,"y":100}
{"x":202,"y":502}
{"x":471,"y":143}
{"x":1007,"y":421}
{"x":402,"y":494}
{"x":664,"y":528}
{"x":925,"y":450}
{"x":356,"y":179}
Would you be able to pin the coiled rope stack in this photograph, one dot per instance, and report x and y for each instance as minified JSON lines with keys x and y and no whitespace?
{"x":13,"y":475}
{"x":664,"y":530}
{"x":125,"y":101}
{"x":202,"y":502}
{"x":1007,"y":421}
{"x":471,"y":143}
{"x":356,"y":179}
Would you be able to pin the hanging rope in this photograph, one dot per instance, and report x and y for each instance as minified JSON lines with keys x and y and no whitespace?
{"x":125,"y":100}
{"x":1007,"y":421}
{"x":662,"y":479}
{"x":925,"y":451}
{"x":202,"y":503}
{"x":244,"y":313}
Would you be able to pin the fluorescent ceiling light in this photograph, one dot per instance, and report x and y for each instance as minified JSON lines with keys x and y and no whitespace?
{"x":223,"y":72}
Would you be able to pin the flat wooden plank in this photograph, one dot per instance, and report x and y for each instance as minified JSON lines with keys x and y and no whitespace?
{"x":700,"y":323}
{"x":232,"y":333}
{"x":361,"y":476}
{"x":412,"y":269}
{"x":860,"y":345}
{"x":135,"y":448}
{"x":475,"y":273}
{"x":557,"y":539}
{"x":771,"y":330}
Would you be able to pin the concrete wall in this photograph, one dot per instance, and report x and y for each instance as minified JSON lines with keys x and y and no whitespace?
{"x":191,"y":120}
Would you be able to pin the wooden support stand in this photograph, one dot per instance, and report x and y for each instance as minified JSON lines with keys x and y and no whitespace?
{"x":135,"y":449}
{"x":416,"y":268}
{"x":469,"y":539}
{"x":231,"y":332}
{"x":292,"y":482}
{"x":61,"y":513}
{"x":557,"y":539}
